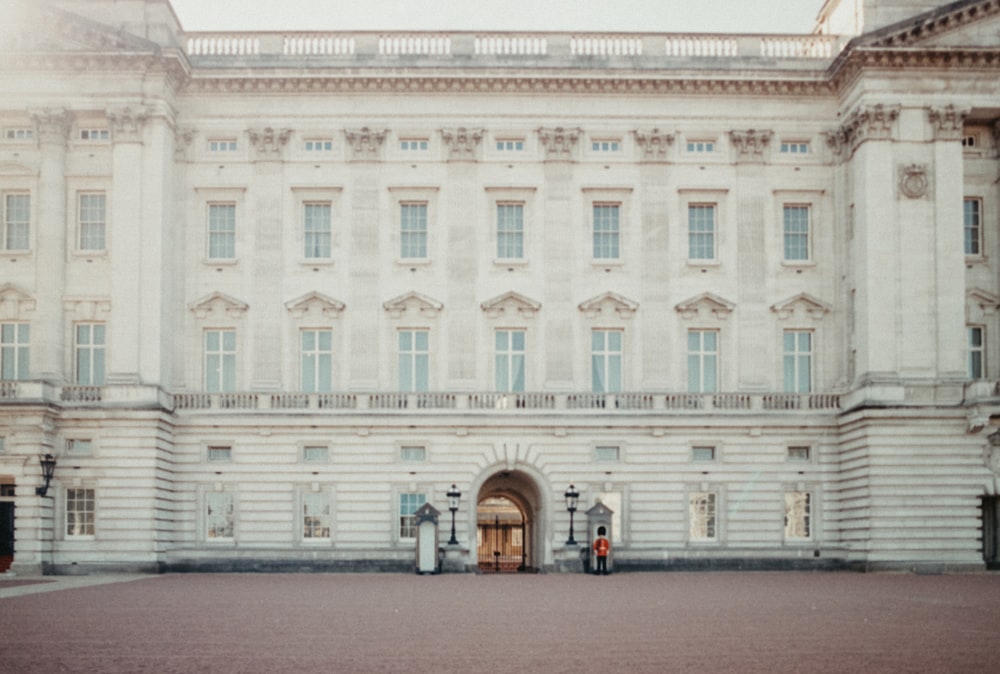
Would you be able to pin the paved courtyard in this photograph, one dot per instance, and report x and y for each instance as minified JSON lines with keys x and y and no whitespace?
{"x":655,"y":622}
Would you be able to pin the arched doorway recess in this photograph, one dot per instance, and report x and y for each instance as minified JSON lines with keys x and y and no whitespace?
{"x":507,"y":524}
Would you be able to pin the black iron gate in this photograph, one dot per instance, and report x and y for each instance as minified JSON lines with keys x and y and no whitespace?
{"x":991,"y":531}
{"x":501,"y":547}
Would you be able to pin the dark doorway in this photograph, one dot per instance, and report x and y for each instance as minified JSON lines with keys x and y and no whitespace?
{"x":991,"y":531}
{"x":6,"y":526}
{"x":500,"y":537}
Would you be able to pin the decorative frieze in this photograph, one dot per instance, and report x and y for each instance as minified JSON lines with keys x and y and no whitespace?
{"x":948,"y":122}
{"x":365,"y":143}
{"x":462,"y":143}
{"x":559,"y":142}
{"x":750,"y":144}
{"x":913,"y":181}
{"x":654,"y":144}
{"x":52,"y":126}
{"x":268,"y":144}
{"x":126,"y":123}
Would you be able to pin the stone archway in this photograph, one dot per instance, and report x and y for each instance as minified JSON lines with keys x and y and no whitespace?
{"x":508,"y":526}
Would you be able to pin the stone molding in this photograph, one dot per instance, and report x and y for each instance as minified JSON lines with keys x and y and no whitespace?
{"x":268,"y":144}
{"x":87,"y":308}
{"x":932,"y":24}
{"x":654,"y":144}
{"x":986,"y":302}
{"x":126,"y":123}
{"x":948,"y":122}
{"x":559,"y":142}
{"x":750,"y":144}
{"x":511,"y":304}
{"x":913,"y":181}
{"x":417,"y":302}
{"x":711,"y":303}
{"x":365,"y":143}
{"x":15,"y":302}
{"x":52,"y":125}
{"x":610,"y":302}
{"x":463,"y":144}
{"x":221,"y":303}
{"x":814,"y":308}
{"x":315,"y":303}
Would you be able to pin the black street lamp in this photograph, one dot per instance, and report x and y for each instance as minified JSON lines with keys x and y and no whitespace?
{"x":453,"y":496}
{"x":48,"y":463}
{"x":572,"y":498}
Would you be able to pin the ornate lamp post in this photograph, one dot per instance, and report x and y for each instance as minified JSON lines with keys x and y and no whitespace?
{"x":453,"y":496}
{"x":48,"y":463}
{"x":572,"y":498}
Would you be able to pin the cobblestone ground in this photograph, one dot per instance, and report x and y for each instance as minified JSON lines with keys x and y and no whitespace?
{"x":655,"y":622}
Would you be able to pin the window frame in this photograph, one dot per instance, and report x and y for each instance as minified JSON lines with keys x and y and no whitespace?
{"x":418,"y":355}
{"x":973,"y":233}
{"x":79,"y":505}
{"x":504,"y":234}
{"x":319,"y":353}
{"x":786,"y":209}
{"x":700,"y":356}
{"x":101,"y":224}
{"x":403,"y":528}
{"x":510,"y":354}
{"x":226,"y":356}
{"x":809,"y":516}
{"x":414,"y":231}
{"x":713,"y":515}
{"x":606,"y":355}
{"x":606,"y":231}
{"x":96,"y":376}
{"x":317,"y":243}
{"x":208,"y":520}
{"x":971,"y":351}
{"x":222,"y":145}
{"x":797,"y":355}
{"x":713,"y":233}
{"x":18,"y":347}
{"x":229,"y":234}
{"x":303,"y":516}
{"x":12,"y":228}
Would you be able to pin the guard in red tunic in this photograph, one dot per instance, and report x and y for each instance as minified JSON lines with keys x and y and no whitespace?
{"x":602,"y":546}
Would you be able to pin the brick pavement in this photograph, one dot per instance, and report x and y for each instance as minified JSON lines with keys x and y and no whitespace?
{"x":640,"y":622}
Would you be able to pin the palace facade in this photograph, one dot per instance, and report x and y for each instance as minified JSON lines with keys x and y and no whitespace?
{"x":265,"y":295}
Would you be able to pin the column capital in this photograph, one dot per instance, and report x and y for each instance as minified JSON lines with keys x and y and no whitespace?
{"x":559,"y":142}
{"x":948,"y":122}
{"x":52,"y":125}
{"x":750,"y":144}
{"x":268,"y":143}
{"x":653,"y":143}
{"x":462,"y":143}
{"x":365,"y":143}
{"x":126,"y":123}
{"x":869,"y":122}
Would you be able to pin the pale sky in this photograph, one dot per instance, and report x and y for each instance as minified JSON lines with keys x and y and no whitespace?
{"x":656,"y":16}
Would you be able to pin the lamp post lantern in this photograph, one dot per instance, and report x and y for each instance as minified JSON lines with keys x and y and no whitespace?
{"x":48,"y":463}
{"x":453,"y":497}
{"x":572,"y":498}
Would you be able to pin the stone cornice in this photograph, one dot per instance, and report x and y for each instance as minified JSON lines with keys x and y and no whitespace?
{"x":930,"y":24}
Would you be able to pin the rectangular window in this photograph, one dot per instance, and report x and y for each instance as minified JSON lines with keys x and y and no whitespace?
{"x":703,"y":453}
{"x":977,"y":353}
{"x":703,"y":516}
{"x":316,"y":229}
{"x":222,"y":231}
{"x":316,"y":454}
{"x":408,"y":505}
{"x":79,"y":512}
{"x":414,"y":144}
{"x":510,"y":231}
{"x":90,"y":344}
{"x":414,"y":360}
{"x":972,"y":210}
{"x":703,"y":361}
{"x":222,"y":145}
{"x":798,"y":515}
{"x":79,"y":447}
{"x":220,"y":454}
{"x":701,"y":231}
{"x":315,"y":516}
{"x":220,"y":361}
{"x":14,"y":350}
{"x":510,"y":145}
{"x":94,"y":135}
{"x":795,"y":148}
{"x":509,"y":360}
{"x":701,"y":146}
{"x":412,"y":453}
{"x":606,"y":361}
{"x":317,"y":361}
{"x":605,"y":146}
{"x":798,"y":453}
{"x":219,"y":516}
{"x":21,"y":133}
{"x":413,"y":230}
{"x":93,"y":217}
{"x":16,"y":221}
{"x":970,"y":141}
{"x":606,"y":454}
{"x":607,"y":231}
{"x":318,"y":145}
{"x":796,"y":233}
{"x":797,"y":356}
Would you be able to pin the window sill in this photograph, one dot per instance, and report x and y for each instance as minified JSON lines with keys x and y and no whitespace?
{"x":509,"y":263}
{"x":14,"y":255}
{"x":975,"y":260}
{"x":608,"y":264}
{"x":414,"y":262}
{"x":798,"y":265}
{"x":703,"y":264}
{"x":90,"y":255}
{"x":210,"y":262}
{"x":316,"y":262}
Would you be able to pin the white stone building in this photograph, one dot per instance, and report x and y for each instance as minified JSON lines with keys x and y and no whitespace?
{"x":262,"y":295}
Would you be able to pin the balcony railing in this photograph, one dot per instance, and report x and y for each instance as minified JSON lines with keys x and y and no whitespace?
{"x":486,"y":47}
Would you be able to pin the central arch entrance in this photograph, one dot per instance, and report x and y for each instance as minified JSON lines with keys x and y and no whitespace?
{"x":506,"y":524}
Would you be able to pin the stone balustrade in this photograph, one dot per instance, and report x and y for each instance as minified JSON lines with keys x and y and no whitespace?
{"x":487,"y":47}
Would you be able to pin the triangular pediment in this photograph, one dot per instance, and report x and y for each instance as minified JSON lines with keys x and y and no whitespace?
{"x":979,"y":302}
{"x":315,"y":304}
{"x":414,"y":303}
{"x":802,"y":304}
{"x":609,"y":303}
{"x":705,"y":305}
{"x":14,"y":168}
{"x":511,"y":304}
{"x":974,"y":23}
{"x":599,"y":510}
{"x":35,"y":27}
{"x":218,"y":304}
{"x":15,"y":302}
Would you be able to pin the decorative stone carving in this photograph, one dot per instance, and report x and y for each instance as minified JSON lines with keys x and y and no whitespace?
{"x":654,"y":144}
{"x":15,"y":302}
{"x":413,"y":301}
{"x":126,"y":124}
{"x":366,"y":144}
{"x":462,"y":143}
{"x":268,"y":143}
{"x":559,"y":142}
{"x":218,"y":304}
{"x":913,"y":182}
{"x":708,"y":303}
{"x":313,"y":304}
{"x":595,"y":306}
{"x":52,"y":126}
{"x":182,"y":144}
{"x":982,"y":302}
{"x":87,"y":308}
{"x":750,"y":145}
{"x":948,"y":122}
{"x":511,"y":304}
{"x":836,"y":140}
{"x":869,"y":122}
{"x":811,"y":306}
